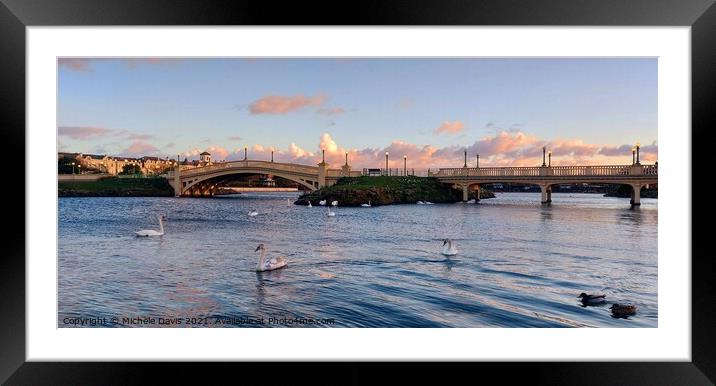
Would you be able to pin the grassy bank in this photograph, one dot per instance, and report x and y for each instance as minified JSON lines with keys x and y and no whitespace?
{"x":354,"y":191}
{"x":116,"y":187}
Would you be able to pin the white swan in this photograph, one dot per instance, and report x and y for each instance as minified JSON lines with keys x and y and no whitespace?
{"x":253,"y":213}
{"x":270,"y":264}
{"x":322,"y":202}
{"x":334,"y":203}
{"x":309,"y":204}
{"x":471,"y":201}
{"x":152,"y":232}
{"x":448,"y":248}
{"x":428,"y":203}
{"x":331,"y":213}
{"x":366,"y":205}
{"x":420,"y":203}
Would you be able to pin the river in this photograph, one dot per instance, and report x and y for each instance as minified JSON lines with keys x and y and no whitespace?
{"x":520,"y":264}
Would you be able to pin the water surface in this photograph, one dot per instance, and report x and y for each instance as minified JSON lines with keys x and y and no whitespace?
{"x":520,"y":264}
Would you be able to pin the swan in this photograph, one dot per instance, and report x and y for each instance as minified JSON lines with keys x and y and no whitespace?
{"x":309,"y":204}
{"x":322,"y":202}
{"x":330,"y":213}
{"x":253,"y":213}
{"x":334,"y":203}
{"x":152,"y":232}
{"x":366,"y":205}
{"x":270,"y":264}
{"x":428,"y":203}
{"x":471,"y":201}
{"x":448,"y":248}
{"x":420,"y":203}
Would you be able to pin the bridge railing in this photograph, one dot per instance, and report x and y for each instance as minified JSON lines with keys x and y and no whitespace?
{"x":557,"y":171}
{"x":250,"y":164}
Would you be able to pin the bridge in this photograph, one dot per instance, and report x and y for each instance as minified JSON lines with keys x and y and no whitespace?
{"x":637,"y":176}
{"x":203,"y":181}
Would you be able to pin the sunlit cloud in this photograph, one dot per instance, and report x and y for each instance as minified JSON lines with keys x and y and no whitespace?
{"x":277,"y":104}
{"x":75,"y":64}
{"x":139,"y":149}
{"x":82,"y":132}
{"x":448,"y":127}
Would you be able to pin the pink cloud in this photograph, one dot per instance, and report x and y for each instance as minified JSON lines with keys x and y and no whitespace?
{"x":235,"y":138}
{"x":82,"y":132}
{"x":140,"y":148}
{"x":75,"y":64}
{"x":330,"y":111}
{"x":276,"y":104}
{"x":450,"y":128}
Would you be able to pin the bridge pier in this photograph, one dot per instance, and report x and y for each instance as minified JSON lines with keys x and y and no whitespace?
{"x":465,"y":192}
{"x":477,"y":193}
{"x":546,"y":194}
{"x":635,"y":195}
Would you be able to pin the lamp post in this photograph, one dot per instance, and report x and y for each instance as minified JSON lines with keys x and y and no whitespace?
{"x":79,"y":169}
{"x":271,"y":155}
{"x":73,"y":168}
{"x":465,"y":164}
{"x":637,"y":153}
{"x":246,"y":149}
{"x":549,"y":158}
{"x":544,"y":151}
{"x":323,"y":155}
{"x":405,"y":165}
{"x":477,"y":165}
{"x":386,"y":163}
{"x":633,"y":155}
{"x":346,"y":159}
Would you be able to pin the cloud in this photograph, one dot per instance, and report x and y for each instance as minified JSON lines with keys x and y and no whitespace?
{"x":139,"y":149}
{"x":75,"y":64}
{"x":330,"y":111}
{"x":85,"y":64}
{"x":450,"y":128}
{"x":218,"y":152}
{"x":235,"y":138}
{"x":82,"y":132}
{"x":405,"y":103}
{"x":648,"y":153}
{"x":276,"y":104}
{"x":137,"y":136}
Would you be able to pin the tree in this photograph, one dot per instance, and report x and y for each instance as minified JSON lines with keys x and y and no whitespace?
{"x":129,"y":169}
{"x":64,"y":165}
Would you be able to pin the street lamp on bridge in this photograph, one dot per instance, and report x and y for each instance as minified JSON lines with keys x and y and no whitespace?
{"x":465,"y":164}
{"x":637,"y":153}
{"x":405,"y":165}
{"x":477,"y":165}
{"x":633,"y":155}
{"x":271,"y":155}
{"x":544,"y":151}
{"x":386,"y":163}
{"x":549,"y":158}
{"x":246,"y":149}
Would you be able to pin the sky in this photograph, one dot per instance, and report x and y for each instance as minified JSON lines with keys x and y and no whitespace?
{"x":584,"y":110}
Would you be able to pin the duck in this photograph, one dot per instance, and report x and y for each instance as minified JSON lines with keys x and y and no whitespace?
{"x":268,"y":265}
{"x":589,"y":300}
{"x":622,"y":310}
{"x":309,"y":204}
{"x":448,"y":248}
{"x":152,"y":232}
{"x":331,"y":213}
{"x":366,"y":205}
{"x":253,"y":213}
{"x":334,"y":203}
{"x":322,"y":202}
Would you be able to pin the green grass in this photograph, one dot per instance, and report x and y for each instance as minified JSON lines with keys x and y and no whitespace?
{"x":114,"y":187}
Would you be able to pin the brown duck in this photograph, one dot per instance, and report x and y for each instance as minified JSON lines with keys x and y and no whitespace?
{"x":623,"y":310}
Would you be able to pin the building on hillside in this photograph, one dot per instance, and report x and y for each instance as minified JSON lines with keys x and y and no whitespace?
{"x":205,"y":158}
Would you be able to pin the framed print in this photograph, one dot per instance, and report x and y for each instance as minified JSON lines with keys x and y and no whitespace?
{"x":476,"y":183}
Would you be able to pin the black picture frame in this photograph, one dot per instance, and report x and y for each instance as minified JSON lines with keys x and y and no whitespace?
{"x":15,"y":15}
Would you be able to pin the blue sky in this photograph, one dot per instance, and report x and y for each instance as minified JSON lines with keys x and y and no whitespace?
{"x":587,"y":110}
